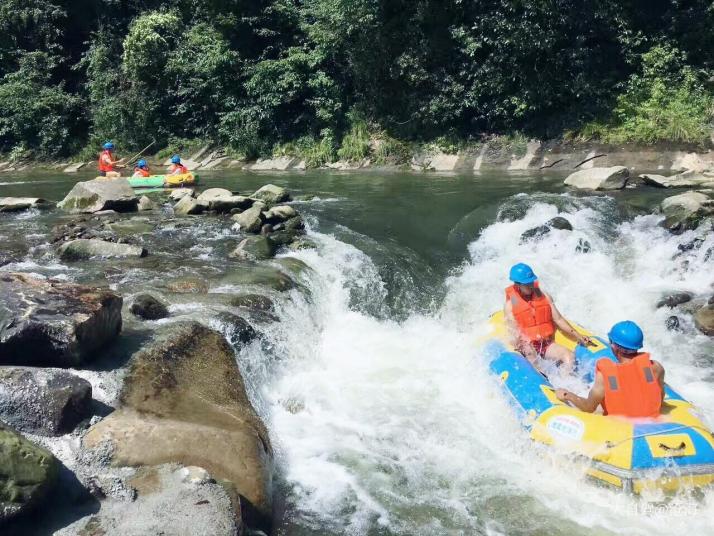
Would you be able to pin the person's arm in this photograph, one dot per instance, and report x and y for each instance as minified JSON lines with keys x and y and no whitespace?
{"x":659,"y":373}
{"x":511,"y":326}
{"x":564,"y":326}
{"x":589,"y":404}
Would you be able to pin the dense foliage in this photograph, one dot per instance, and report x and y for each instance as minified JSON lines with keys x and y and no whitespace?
{"x":324,"y":77}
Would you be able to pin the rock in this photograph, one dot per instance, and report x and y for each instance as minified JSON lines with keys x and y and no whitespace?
{"x":168,"y":501}
{"x":251,"y":220}
{"x":672,"y":323}
{"x":266,"y":229}
{"x":257,"y":302}
{"x":83,"y":249}
{"x":100,"y":194}
{"x":302,"y":243}
{"x":28,"y":473}
{"x":184,"y":401}
{"x":188,"y":285}
{"x":675,"y":181}
{"x":17,"y":204}
{"x":255,"y":248}
{"x":180,"y":193}
{"x":710,"y":301}
{"x":53,"y":323}
{"x":131,"y":227}
{"x":279,"y":214}
{"x":610,"y":178}
{"x":228,"y":204}
{"x":239,"y":330}
{"x":145,"y":204}
{"x":272,"y":194}
{"x":535,"y":232}
{"x":282,"y":238}
{"x":583,"y":246}
{"x":559,"y":223}
{"x":280,"y":163}
{"x":74,"y":168}
{"x":294,"y":224}
{"x":259,"y":275}
{"x":684,"y":211}
{"x":149,"y":308}
{"x":43,"y":401}
{"x":187,"y":205}
{"x":212,"y":194}
{"x":704,"y":319}
{"x":673,"y":299}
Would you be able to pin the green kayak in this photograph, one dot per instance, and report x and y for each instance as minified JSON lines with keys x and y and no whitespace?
{"x":163,"y":181}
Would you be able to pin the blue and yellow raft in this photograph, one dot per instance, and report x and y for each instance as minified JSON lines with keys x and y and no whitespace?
{"x":670,"y":452}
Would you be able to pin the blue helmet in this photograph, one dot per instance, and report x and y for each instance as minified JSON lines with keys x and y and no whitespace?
{"x":142,"y":163}
{"x":175,"y":159}
{"x":522,"y":274}
{"x":627,"y":334}
{"x":108,"y":146}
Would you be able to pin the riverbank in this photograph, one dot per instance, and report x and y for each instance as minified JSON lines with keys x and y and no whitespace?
{"x":353,"y":340}
{"x":500,"y":153}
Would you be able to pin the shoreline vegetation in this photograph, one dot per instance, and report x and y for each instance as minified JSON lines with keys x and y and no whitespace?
{"x":336,"y":81}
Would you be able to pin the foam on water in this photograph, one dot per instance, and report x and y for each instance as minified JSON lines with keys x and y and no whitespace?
{"x":389,"y":427}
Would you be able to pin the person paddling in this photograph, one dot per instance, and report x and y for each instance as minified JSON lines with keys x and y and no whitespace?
{"x":176,"y":167}
{"x":141,"y":169}
{"x":532,"y":319}
{"x":632,"y":387}
{"x":107,"y":165}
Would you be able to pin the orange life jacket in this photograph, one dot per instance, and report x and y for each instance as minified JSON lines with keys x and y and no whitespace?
{"x":631,"y":387}
{"x":178,"y":169}
{"x":105,"y":161}
{"x":535,"y":316}
{"x":141,"y":172}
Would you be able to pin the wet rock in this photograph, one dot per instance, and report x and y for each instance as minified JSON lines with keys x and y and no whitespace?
{"x":251,"y":220}
{"x":131,"y":227}
{"x":691,"y":245}
{"x":148,"y":307}
{"x":187,"y":206}
{"x":145,"y":204}
{"x":674,"y":299}
{"x":279,"y":214}
{"x":255,"y":248}
{"x":257,"y":302}
{"x":28,"y":473}
{"x":280,"y":163}
{"x":685,"y":211}
{"x":283,"y":238}
{"x":535,"y":232}
{"x":704,"y":319}
{"x":188,"y":285}
{"x":675,"y":181}
{"x":184,"y":401}
{"x":293,"y":266}
{"x":82,"y":249}
{"x":180,"y":193}
{"x":559,"y":223}
{"x":17,"y":204}
{"x":302,"y":243}
{"x":672,"y":323}
{"x":583,"y":246}
{"x":259,"y":275}
{"x":610,"y":178}
{"x":53,"y":323}
{"x":167,"y":502}
{"x":272,"y":194}
{"x":100,"y":194}
{"x":266,"y":229}
{"x":213,"y":193}
{"x":236,"y":203}
{"x":239,"y":330}
{"x":294,"y":224}
{"x":43,"y":401}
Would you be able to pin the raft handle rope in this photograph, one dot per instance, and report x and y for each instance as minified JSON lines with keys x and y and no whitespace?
{"x":611,"y":445}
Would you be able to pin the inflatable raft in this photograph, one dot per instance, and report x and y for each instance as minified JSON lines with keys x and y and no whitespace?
{"x":163,"y":181}
{"x":672,"y":451}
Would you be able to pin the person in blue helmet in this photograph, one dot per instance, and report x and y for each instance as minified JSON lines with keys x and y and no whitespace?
{"x":176,"y":167}
{"x":631,"y":387}
{"x":532,"y":319}
{"x":142,"y":169}
{"x":107,"y":165}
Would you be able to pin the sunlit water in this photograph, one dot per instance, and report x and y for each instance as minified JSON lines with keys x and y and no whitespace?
{"x":380,"y":406}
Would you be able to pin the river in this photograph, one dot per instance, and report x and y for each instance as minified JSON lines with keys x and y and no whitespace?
{"x":384,"y":418}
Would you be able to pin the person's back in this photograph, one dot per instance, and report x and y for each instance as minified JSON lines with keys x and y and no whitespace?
{"x":176,"y":167}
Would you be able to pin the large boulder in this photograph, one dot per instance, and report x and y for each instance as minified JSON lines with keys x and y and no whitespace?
{"x":17,"y":204}
{"x":82,"y":249}
{"x":675,"y":181}
{"x":251,"y":220}
{"x":255,"y":248}
{"x":184,"y":401}
{"x":685,"y":211}
{"x":145,"y":204}
{"x":272,"y":194}
{"x":27,"y":473}
{"x":231,"y":203}
{"x":148,"y":307}
{"x":704,"y":319}
{"x":100,"y":194}
{"x":53,"y":323}
{"x":213,"y":193}
{"x":279,"y":214}
{"x":43,"y":401}
{"x":187,"y":206}
{"x":179,"y":193}
{"x":610,"y":178}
